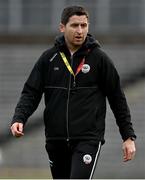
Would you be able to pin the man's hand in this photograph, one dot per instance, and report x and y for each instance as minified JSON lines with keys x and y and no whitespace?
{"x":128,"y":150}
{"x":17,"y":129}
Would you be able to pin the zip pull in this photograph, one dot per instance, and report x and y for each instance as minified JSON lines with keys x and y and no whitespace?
{"x":68,"y":142}
{"x":74,"y":82}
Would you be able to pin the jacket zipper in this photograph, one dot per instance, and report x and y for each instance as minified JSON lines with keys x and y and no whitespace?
{"x":67,"y":118}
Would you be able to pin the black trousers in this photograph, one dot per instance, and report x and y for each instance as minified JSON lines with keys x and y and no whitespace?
{"x":74,"y":159}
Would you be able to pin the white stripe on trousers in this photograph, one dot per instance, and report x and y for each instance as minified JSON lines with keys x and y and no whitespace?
{"x":95,"y":161}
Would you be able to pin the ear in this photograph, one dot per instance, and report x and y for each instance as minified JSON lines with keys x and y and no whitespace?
{"x":61,"y":27}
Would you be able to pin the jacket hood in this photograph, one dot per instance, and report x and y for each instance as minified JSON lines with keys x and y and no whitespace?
{"x":90,"y":42}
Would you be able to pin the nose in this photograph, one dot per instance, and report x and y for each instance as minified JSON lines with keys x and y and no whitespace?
{"x":79,"y":29}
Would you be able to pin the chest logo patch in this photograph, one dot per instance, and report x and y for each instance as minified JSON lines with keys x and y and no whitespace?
{"x":56,"y":68}
{"x":85,"y":68}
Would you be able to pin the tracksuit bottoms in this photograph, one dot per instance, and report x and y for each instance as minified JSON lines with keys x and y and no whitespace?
{"x":73,"y":159}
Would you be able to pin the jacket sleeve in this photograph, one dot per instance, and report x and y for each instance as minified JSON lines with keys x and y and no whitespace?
{"x":110,"y":84}
{"x":31,"y":94}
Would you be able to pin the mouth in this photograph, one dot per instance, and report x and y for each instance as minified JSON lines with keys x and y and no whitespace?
{"x":78,"y":38}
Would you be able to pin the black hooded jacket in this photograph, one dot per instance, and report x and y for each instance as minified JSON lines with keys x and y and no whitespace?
{"x":75,"y":111}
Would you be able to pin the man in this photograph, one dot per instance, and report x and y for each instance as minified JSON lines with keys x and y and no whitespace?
{"x":76,"y":77}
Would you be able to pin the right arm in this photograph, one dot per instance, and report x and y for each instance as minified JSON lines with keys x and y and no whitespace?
{"x":29,"y":100}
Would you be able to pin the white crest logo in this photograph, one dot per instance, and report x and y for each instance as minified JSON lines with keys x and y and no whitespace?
{"x":85,"y":68}
{"x":87,"y":159}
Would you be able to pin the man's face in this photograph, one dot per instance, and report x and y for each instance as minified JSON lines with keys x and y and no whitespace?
{"x":75,"y":31}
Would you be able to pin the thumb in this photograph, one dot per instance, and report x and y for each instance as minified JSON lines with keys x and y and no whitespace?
{"x":21,"y":127}
{"x":125,"y":154}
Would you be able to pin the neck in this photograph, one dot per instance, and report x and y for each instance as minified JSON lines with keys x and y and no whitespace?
{"x":72,"y":48}
{"x":72,"y":52}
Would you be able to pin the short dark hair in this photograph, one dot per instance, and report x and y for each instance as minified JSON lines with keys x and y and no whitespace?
{"x":72,"y":10}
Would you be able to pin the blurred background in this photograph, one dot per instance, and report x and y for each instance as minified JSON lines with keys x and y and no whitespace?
{"x":27,"y":28}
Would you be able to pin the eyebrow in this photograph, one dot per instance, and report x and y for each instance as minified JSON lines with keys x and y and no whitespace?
{"x":75,"y":23}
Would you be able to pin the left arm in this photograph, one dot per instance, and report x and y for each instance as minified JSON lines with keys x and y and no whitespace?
{"x":111,"y":87}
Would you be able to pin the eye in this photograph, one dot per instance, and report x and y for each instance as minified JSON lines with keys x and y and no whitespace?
{"x":75,"y":25}
{"x":84,"y":25}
